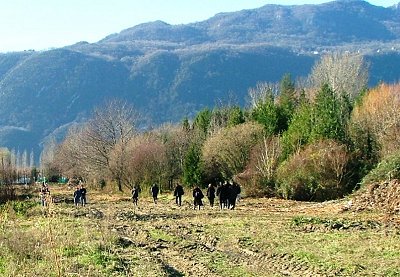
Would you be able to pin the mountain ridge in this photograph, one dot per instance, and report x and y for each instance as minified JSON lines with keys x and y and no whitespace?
{"x":287,"y":19}
{"x":171,"y":71}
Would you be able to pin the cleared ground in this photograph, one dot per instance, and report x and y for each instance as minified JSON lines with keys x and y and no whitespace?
{"x":262,"y":237}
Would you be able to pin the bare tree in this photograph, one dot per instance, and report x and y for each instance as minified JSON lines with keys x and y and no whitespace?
{"x":111,"y":125}
{"x":18,"y":163}
{"x":72,"y":155}
{"x":343,"y":72}
{"x":144,"y":161}
{"x":258,"y":94}
{"x":6,"y":167}
{"x":13,"y":158}
{"x":268,"y":151}
{"x":176,"y":140}
{"x":31,"y":160}
{"x":47,"y":159}
{"x":7,"y":176}
{"x":24,"y":166}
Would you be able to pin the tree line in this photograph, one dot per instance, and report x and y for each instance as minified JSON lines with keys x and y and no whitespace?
{"x":313,"y":139}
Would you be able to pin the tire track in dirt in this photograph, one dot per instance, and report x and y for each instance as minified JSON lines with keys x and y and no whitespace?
{"x":168,"y":255}
{"x":279,"y":264}
{"x":182,"y":258}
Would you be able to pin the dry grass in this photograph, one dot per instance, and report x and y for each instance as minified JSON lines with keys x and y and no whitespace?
{"x":263,"y":237}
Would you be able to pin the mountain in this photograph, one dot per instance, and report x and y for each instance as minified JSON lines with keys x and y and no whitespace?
{"x":171,"y":71}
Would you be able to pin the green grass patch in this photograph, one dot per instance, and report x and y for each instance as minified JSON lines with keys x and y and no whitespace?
{"x":392,"y":272}
{"x":20,"y":208}
{"x":338,"y":224}
{"x":387,"y":169}
{"x":3,"y":264}
{"x":70,"y":251}
{"x":158,"y":234}
{"x":220,"y":264}
{"x":246,"y":241}
{"x":104,"y":259}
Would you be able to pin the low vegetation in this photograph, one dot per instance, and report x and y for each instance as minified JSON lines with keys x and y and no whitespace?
{"x":262,"y":237}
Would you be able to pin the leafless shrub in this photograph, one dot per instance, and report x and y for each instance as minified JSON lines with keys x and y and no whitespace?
{"x":315,"y":173}
{"x":229,"y":150}
{"x":343,"y":72}
{"x":378,"y":115}
{"x":260,"y":174}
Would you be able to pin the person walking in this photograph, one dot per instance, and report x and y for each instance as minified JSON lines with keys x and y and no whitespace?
{"x":222,"y":192}
{"x":83,"y":195}
{"x":197,"y":198}
{"x":231,"y":193}
{"x":178,"y":192}
{"x":211,"y":194}
{"x":77,"y":196}
{"x":238,"y":191}
{"x":154,"y":192}
{"x":135,"y":195}
{"x":44,"y":194}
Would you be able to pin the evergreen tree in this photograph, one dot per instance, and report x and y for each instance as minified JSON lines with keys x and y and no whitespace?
{"x":266,"y":113}
{"x":235,"y":116}
{"x":186,"y":124}
{"x":287,"y":102}
{"x":328,"y":119}
{"x":202,"y":121}
{"x":192,"y":168}
{"x":299,"y":130}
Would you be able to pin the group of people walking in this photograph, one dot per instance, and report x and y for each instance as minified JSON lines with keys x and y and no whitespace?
{"x":80,"y":195}
{"x":154,"y":190}
{"x":227,"y":193}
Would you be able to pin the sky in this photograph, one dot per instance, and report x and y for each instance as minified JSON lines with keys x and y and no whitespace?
{"x":45,"y":24}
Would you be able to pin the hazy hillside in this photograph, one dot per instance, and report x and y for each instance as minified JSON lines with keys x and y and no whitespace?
{"x":299,"y":27}
{"x":170,"y":71}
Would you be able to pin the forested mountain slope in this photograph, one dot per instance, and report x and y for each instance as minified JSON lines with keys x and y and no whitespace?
{"x":171,"y":71}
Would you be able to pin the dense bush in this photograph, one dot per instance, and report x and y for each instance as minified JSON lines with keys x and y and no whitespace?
{"x":388,"y":168}
{"x":255,"y":185}
{"x":259,"y":177}
{"x":316,"y":173}
{"x":376,"y":119}
{"x":7,"y":193}
{"x":229,"y":150}
{"x":20,"y":208}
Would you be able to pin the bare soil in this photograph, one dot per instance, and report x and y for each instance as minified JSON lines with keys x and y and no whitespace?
{"x":261,"y":237}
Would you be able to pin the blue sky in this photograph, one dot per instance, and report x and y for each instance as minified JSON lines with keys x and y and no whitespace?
{"x":43,"y":24}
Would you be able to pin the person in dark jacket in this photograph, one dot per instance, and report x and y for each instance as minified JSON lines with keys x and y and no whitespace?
{"x":222,"y":192}
{"x":238,"y":190}
{"x":233,"y":192}
{"x":77,"y":196}
{"x":211,"y":194}
{"x":197,"y":197}
{"x":178,"y":192}
{"x":135,"y":195}
{"x":231,"y":196}
{"x":83,"y":195}
{"x":154,"y":192}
